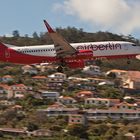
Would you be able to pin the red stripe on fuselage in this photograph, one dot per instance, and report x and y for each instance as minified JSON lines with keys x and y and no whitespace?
{"x":21,"y":58}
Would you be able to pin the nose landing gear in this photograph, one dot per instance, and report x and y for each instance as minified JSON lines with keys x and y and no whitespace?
{"x":60,"y":69}
{"x":128,"y":61}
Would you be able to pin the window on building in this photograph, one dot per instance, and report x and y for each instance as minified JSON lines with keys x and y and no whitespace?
{"x":99,"y":102}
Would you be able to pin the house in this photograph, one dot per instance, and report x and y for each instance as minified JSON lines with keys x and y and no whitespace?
{"x":102,"y":101}
{"x":58,"y":76}
{"x":130,"y":136}
{"x":80,"y":83}
{"x":77,"y":119}
{"x":41,"y":133}
{"x":7,"y":103}
{"x":5,"y":91}
{"x":85,"y":86}
{"x":85,"y":94}
{"x":29,"y":69}
{"x":39,"y":78}
{"x":7,"y":78}
{"x":18,"y":90}
{"x":13,"y":131}
{"x":113,"y":113}
{"x":14,"y":91}
{"x":131,"y":80}
{"x":117,"y":73}
{"x":125,"y":105}
{"x":66,"y":100}
{"x":77,"y":79}
{"x":17,"y":107}
{"x":58,"y":109}
{"x":92,"y":70}
{"x":56,"y":81}
{"x":49,"y":95}
{"x":95,"y":80}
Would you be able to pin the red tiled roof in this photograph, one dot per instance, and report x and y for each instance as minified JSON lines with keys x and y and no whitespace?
{"x":7,"y":76}
{"x":39,"y":77}
{"x":56,"y":105}
{"x":66,"y":98}
{"x":116,"y":70}
{"x":115,"y":100}
{"x":134,"y":74}
{"x":4,"y":86}
{"x":17,"y":106}
{"x":19,"y":85}
{"x":85,"y":92}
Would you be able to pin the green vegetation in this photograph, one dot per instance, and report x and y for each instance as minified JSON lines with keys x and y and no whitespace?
{"x":71,"y":34}
{"x":30,"y":119}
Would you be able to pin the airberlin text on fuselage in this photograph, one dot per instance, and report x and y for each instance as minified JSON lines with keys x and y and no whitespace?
{"x":101,"y":47}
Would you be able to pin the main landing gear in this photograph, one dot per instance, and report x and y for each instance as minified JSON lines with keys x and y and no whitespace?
{"x":60,"y":69}
{"x":98,"y":62}
{"x":128,"y":61}
{"x":61,"y":66}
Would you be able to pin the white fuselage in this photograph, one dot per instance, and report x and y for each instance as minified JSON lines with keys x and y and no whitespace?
{"x":100,"y":49}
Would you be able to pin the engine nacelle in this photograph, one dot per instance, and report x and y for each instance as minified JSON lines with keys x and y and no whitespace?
{"x":84,"y":54}
{"x":81,"y":55}
{"x":77,"y":60}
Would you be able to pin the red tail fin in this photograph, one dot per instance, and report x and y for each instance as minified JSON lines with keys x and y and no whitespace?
{"x":50,"y":30}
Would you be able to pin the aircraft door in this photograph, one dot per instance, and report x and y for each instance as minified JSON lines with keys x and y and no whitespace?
{"x":7,"y":53}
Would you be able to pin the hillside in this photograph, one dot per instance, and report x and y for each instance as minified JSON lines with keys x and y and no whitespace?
{"x":72,"y":35}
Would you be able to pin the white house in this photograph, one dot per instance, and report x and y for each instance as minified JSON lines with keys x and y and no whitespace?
{"x":102,"y":101}
{"x":50,"y":95}
{"x":131,"y":80}
{"x":66,"y":100}
{"x":113,"y":113}
{"x":92,"y":70}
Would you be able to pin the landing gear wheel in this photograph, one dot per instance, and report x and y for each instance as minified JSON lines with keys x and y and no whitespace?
{"x":128,"y":62}
{"x":98,"y":62}
{"x":60,"y":69}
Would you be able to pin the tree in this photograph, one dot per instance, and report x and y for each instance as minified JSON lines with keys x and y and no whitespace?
{"x":98,"y":130}
{"x":78,"y":130}
{"x":35,"y":35}
{"x":16,"y":33}
{"x":32,"y":126}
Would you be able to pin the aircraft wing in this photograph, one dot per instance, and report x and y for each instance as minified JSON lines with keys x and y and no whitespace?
{"x":62,"y":47}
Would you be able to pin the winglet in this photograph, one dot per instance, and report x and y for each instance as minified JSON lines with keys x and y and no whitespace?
{"x":50,"y":30}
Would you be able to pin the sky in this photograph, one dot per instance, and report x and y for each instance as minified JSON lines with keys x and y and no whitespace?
{"x":26,"y":16}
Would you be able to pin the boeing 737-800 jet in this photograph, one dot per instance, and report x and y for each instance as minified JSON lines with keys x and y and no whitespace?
{"x":66,"y":54}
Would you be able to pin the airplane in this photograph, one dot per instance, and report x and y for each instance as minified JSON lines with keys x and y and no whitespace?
{"x":65,"y":54}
